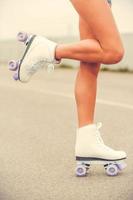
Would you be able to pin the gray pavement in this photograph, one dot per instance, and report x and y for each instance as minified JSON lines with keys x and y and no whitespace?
{"x":37,"y":136}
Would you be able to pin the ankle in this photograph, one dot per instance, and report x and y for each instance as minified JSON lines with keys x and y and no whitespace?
{"x":58,"y":52}
{"x":81,"y":125}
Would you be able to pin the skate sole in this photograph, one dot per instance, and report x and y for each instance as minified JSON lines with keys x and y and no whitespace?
{"x":26,"y":50}
{"x":96,"y":159}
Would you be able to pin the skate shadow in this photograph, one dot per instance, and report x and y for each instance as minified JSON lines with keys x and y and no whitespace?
{"x":102,"y":174}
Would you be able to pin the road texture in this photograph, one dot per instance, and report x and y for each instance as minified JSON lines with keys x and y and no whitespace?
{"x":37,"y":136}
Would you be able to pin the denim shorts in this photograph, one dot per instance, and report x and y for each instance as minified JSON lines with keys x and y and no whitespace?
{"x":110,"y":2}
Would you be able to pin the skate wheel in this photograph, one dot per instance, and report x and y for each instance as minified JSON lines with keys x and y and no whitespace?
{"x":22,"y":37}
{"x":81,"y":170}
{"x":50,"y":68}
{"x":121,"y":166}
{"x":15,"y":76}
{"x":112,"y":170}
{"x":13,"y":65}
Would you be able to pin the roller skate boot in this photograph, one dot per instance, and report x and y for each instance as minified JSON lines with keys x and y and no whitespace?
{"x":90,"y":149}
{"x":39,"y":53}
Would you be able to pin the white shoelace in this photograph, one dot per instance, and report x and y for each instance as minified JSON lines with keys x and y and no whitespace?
{"x":99,"y":125}
{"x":40,"y":65}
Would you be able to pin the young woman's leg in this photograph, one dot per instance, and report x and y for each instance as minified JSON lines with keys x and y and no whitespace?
{"x":89,"y":145}
{"x":86,"y":82}
{"x":107,"y":47}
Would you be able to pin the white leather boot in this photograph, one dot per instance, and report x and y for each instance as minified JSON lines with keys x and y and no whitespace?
{"x":40,"y":52}
{"x":90,"y":149}
{"x":90,"y":146}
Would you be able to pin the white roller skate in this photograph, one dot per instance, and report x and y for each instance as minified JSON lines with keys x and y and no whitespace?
{"x":39,"y":53}
{"x":90,"y":149}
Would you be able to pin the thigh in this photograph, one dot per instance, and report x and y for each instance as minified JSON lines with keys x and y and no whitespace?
{"x":85,"y":30}
{"x":98,"y":15}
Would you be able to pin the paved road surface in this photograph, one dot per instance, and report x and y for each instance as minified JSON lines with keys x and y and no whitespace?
{"x":37,"y":136}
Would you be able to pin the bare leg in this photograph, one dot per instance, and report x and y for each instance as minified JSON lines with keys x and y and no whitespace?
{"x":106,"y":47}
{"x":85,"y":94}
{"x":86,"y":82}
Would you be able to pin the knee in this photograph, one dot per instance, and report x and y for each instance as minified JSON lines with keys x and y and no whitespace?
{"x":114,"y":55}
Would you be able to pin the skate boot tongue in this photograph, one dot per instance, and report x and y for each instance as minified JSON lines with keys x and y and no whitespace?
{"x":98,"y":126}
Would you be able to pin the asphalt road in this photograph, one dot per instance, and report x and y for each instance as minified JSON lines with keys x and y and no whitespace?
{"x":37,"y":136}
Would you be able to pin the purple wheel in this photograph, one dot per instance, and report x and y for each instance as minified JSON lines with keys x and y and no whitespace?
{"x":15,"y":76}
{"x":13,"y":65}
{"x":121,"y":166}
{"x":22,"y":37}
{"x":81,"y":170}
{"x":112,"y":170}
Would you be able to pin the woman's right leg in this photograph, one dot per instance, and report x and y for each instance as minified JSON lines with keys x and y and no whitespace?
{"x":89,"y":145}
{"x":107,"y":46}
{"x":86,"y":82}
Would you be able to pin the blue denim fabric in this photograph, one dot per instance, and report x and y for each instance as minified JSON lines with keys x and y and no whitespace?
{"x":110,"y":2}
